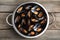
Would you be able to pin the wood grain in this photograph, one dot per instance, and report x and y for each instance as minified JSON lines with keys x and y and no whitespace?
{"x":8,"y":6}
{"x":51,"y":6}
{"x":4,"y":25}
{"x":17,"y":1}
{"x":12,"y":35}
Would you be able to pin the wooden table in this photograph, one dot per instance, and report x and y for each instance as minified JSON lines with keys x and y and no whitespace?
{"x":8,"y":6}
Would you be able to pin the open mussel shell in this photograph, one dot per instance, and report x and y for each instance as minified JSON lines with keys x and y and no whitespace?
{"x":19,"y":10}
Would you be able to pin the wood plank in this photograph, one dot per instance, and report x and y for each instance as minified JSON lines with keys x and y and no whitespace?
{"x":6,"y":8}
{"x":56,"y":23}
{"x":51,"y":6}
{"x":57,"y":15}
{"x":4,"y":25}
{"x":17,"y":1}
{"x":12,"y":35}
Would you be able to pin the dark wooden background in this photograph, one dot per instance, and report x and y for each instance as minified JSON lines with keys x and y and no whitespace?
{"x":8,"y":6}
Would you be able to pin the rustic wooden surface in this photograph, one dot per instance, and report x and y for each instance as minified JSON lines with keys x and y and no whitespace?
{"x":8,"y":6}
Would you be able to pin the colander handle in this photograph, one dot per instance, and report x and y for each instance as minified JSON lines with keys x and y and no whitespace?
{"x":7,"y":19}
{"x":52,"y":18}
